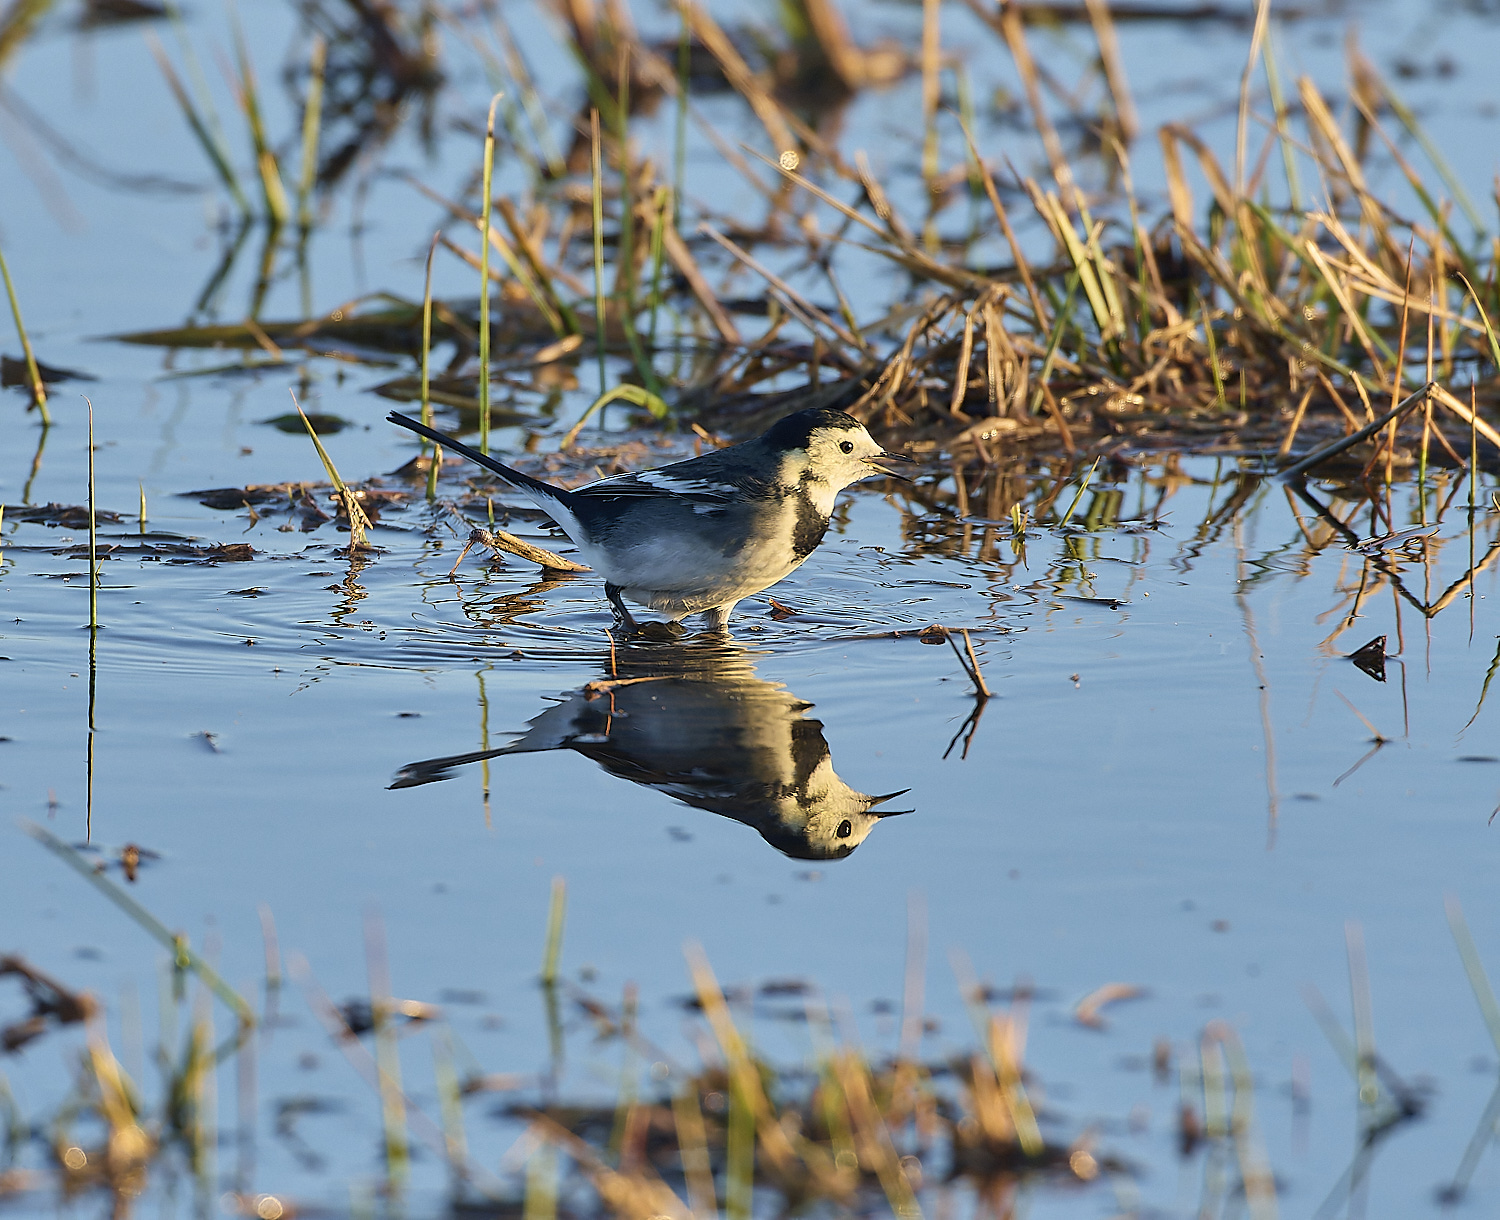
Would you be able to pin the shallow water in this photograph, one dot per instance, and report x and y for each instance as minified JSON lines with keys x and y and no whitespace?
{"x":1168,"y":788}
{"x":1117,"y":816}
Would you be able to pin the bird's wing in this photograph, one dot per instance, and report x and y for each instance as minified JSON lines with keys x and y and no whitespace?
{"x":666,"y":483}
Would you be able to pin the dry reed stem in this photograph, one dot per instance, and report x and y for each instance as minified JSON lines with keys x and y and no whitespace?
{"x":1257,"y":41}
{"x":880,"y":201}
{"x":682,"y":258}
{"x":639,"y":1195}
{"x":968,"y":659}
{"x":543,"y":274}
{"x":1472,"y":418}
{"x":774,"y":1141}
{"x":931,"y":90}
{"x":805,"y":310}
{"x":906,"y":255}
{"x":876,"y":1146}
{"x":1039,"y":313}
{"x":1114,"y":68}
{"x":1291,"y":432}
{"x":961,"y":375}
{"x":741,"y":78}
{"x":1087,"y":1010}
{"x":1015,"y":38}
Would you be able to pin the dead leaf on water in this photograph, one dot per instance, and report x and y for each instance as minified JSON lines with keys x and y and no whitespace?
{"x":1087,"y":1012}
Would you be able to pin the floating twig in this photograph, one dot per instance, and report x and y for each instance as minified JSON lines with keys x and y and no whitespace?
{"x":500,"y":540}
{"x":1087,"y":1011}
{"x":1337,"y":447}
{"x":937,"y":633}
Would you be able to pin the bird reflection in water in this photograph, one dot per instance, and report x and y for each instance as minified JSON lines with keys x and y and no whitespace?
{"x":696,"y":723}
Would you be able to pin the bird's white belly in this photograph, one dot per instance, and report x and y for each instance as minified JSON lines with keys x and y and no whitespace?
{"x":682,"y":575}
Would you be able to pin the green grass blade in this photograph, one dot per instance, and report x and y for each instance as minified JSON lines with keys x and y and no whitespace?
{"x":38,"y":388}
{"x":1451,"y":180}
{"x":183,"y":955}
{"x":630,"y":393}
{"x":556,"y":915}
{"x":437,"y":452}
{"x":1484,"y":994}
{"x":273,"y":191}
{"x":358,"y":522}
{"x":1082,"y":487}
{"x":598,"y":200}
{"x":312,"y":122}
{"x":213,"y":147}
{"x":487,"y":177}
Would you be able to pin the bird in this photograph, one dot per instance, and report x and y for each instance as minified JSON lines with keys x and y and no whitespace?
{"x":697,"y":536}
{"x":710,"y":733}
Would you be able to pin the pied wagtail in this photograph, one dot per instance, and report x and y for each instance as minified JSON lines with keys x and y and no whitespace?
{"x":705,"y":730}
{"x":697,"y":536}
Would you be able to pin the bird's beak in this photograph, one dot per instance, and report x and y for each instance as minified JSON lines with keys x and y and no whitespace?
{"x":888,"y":457}
{"x":881,"y":800}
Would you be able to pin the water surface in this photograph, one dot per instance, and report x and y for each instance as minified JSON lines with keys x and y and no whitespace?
{"x":1174,"y":786}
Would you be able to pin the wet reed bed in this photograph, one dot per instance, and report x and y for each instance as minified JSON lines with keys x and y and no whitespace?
{"x":1265,"y":304}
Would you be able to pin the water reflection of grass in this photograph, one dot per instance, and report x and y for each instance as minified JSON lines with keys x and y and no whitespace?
{"x":736,"y":1134}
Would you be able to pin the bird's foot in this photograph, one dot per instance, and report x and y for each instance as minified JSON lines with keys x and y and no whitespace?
{"x":623,"y":618}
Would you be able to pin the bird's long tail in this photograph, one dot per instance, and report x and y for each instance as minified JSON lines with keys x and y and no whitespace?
{"x":431,"y":770}
{"x":525,"y":482}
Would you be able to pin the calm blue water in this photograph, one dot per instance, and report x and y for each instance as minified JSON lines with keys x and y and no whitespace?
{"x":1150,"y":798}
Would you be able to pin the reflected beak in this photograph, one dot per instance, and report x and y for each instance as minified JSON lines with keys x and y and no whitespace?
{"x":888,"y":457}
{"x":881,"y":800}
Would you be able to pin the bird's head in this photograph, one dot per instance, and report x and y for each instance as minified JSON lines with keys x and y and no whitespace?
{"x":821,"y":817}
{"x":829,"y":447}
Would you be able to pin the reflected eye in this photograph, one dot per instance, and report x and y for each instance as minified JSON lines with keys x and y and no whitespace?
{"x":846,"y":827}
{"x":846,"y":446}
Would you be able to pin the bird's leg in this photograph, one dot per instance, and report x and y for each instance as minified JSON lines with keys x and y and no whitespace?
{"x":626,"y":619}
{"x":717,"y":619}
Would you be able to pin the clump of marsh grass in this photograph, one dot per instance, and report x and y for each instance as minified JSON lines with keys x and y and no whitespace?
{"x":104,"y":1137}
{"x":1254,"y":319}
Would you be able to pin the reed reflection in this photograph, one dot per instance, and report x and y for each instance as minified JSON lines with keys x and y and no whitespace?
{"x":696,"y":723}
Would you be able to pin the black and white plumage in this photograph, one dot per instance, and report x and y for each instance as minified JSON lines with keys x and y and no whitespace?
{"x":697,"y":536}
{"x":709,"y":733}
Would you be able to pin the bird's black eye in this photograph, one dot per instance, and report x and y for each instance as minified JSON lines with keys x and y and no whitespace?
{"x":846,"y":827}
{"x":847,"y":447}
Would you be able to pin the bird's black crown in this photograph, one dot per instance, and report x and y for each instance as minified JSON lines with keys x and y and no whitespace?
{"x":795,"y":431}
